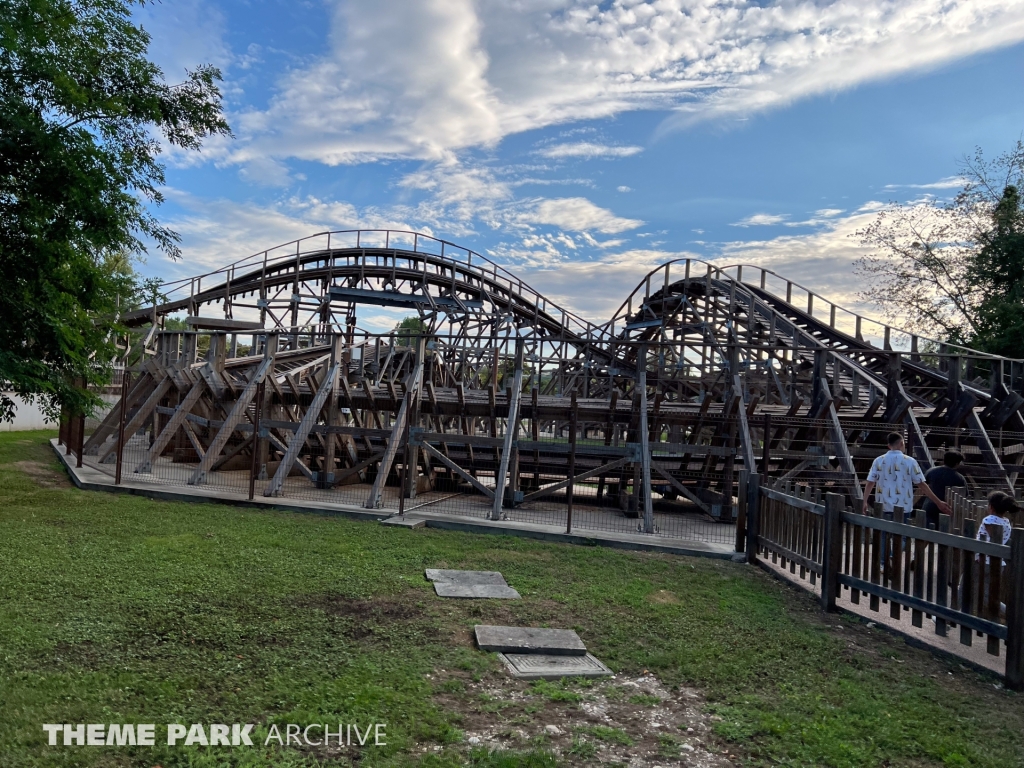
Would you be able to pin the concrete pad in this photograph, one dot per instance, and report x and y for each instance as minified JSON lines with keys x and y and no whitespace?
{"x":404,"y":522}
{"x":466,"y":578}
{"x":542,"y":666}
{"x":492,"y":591}
{"x":554,"y":642}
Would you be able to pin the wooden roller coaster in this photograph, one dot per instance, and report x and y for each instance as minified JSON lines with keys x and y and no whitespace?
{"x":502,"y":400}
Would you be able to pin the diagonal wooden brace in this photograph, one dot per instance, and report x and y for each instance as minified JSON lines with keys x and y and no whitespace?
{"x":162,"y":388}
{"x":302,"y":432}
{"x":457,"y":470}
{"x":234,"y":418}
{"x":171,"y":428}
{"x":547,"y":490}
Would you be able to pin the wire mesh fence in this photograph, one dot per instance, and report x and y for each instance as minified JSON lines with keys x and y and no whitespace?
{"x":634,"y":438}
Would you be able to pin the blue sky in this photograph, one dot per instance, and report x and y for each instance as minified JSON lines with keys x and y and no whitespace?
{"x":582,"y":144}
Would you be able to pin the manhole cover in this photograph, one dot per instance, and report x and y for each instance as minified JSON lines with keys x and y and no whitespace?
{"x":543,"y":666}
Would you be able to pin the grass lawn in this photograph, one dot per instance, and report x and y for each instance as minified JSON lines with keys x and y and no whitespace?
{"x":116,"y":609}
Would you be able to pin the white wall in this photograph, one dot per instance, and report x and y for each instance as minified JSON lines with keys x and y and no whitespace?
{"x":26,"y":417}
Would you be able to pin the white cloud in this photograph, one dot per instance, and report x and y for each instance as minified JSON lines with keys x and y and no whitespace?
{"x":828,"y":213}
{"x":950,"y":182}
{"x":575,"y":214}
{"x":423,"y":78}
{"x":594,"y":289}
{"x":760,"y":220}
{"x":623,"y":188}
{"x":586,"y":150}
{"x":821,"y":260}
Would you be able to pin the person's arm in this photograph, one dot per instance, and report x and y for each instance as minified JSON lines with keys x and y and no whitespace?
{"x":869,"y":486}
{"x":927,"y":491}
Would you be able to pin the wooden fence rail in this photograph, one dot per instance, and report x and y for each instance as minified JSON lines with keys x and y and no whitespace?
{"x":945,"y":575}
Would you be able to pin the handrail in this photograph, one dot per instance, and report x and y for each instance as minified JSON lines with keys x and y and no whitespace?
{"x":719,"y":272}
{"x":293,"y":250}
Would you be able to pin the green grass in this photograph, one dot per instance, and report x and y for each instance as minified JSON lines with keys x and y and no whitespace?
{"x":610,"y":735}
{"x":119,"y":609}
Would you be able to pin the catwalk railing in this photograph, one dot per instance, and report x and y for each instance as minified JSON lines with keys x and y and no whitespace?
{"x":942,"y":574}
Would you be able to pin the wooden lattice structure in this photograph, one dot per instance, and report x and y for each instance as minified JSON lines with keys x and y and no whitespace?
{"x":504,"y":398}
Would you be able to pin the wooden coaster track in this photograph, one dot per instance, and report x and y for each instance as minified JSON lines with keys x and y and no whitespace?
{"x":503,"y":394}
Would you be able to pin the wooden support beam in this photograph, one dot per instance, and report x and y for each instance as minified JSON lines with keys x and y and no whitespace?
{"x":645,"y":445}
{"x":299,"y":437}
{"x":159,"y":392}
{"x":374,"y":500}
{"x":234,"y":418}
{"x":111,"y":421}
{"x":547,"y":490}
{"x":171,"y":428}
{"x":680,"y":487}
{"x":746,"y":443}
{"x":511,"y":429}
{"x":988,"y":451}
{"x":468,"y":477}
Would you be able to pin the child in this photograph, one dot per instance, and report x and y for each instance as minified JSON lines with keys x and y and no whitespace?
{"x":1001,"y":510}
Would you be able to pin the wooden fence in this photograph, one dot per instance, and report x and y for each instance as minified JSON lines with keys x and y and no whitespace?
{"x":945,"y":575}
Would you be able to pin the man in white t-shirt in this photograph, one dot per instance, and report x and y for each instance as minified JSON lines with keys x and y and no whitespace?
{"x":894,"y":476}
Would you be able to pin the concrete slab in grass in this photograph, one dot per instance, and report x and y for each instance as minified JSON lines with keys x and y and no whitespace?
{"x":404,"y":522}
{"x":466,"y":578}
{"x":543,"y":666}
{"x":556,"y":642}
{"x":492,"y":591}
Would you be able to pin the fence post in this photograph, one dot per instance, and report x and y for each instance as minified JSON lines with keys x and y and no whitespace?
{"x":753,"y":515}
{"x":1015,"y":613}
{"x":125,"y":381}
{"x":573,"y":425}
{"x":832,"y":554}
{"x":254,"y":467}
{"x":80,"y":439}
{"x":69,"y":431}
{"x":744,"y":502}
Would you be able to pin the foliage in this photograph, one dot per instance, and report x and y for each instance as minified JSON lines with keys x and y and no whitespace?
{"x":118,"y":608}
{"x":999,"y":267}
{"x":409,"y":329}
{"x":82,"y":117}
{"x":948,"y":268}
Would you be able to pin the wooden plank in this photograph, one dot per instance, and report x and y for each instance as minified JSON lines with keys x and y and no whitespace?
{"x":1015,"y":613}
{"x":112,"y":420}
{"x":299,"y":437}
{"x":511,"y":428}
{"x":967,"y":584}
{"x":965,"y":620}
{"x":942,"y":576}
{"x":159,"y":392}
{"x":832,"y":552}
{"x":171,"y":427}
{"x":793,"y":501}
{"x":789,"y":554}
{"x":680,"y":487}
{"x":468,"y":477}
{"x":901,"y":529}
{"x":373,"y":501}
{"x":547,"y":490}
{"x":234,"y":417}
{"x":920,"y":564}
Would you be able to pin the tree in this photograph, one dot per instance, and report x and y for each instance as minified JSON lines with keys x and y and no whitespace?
{"x":944,"y":269}
{"x":999,"y":267}
{"x":409,"y":328}
{"x":82,"y":116}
